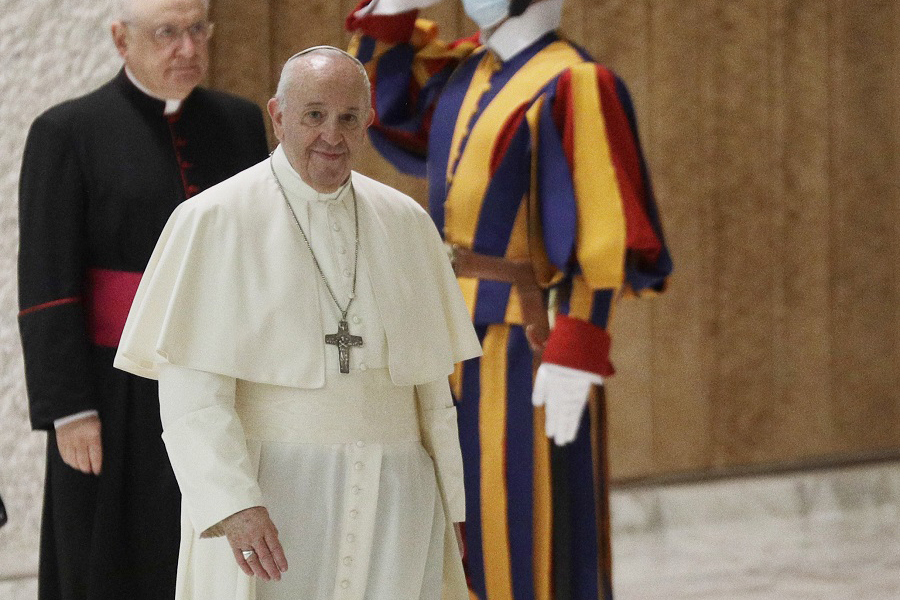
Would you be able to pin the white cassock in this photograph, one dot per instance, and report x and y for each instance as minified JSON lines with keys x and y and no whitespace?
{"x":361,"y":472}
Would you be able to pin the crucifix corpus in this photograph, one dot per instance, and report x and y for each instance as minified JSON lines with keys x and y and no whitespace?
{"x":344,"y":341}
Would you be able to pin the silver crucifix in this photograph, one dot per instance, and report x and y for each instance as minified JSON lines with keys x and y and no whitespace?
{"x":343,"y":340}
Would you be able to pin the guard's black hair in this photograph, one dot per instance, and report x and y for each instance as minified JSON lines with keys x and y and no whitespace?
{"x":517,"y":7}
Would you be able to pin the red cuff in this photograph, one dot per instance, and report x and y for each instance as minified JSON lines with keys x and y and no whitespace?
{"x":579,"y":345}
{"x":391,"y":29}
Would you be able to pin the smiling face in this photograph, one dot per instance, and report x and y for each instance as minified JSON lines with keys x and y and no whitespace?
{"x":169,"y":70}
{"x":321,"y":118}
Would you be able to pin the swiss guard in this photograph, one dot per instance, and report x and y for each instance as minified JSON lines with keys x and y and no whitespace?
{"x":539,"y":187}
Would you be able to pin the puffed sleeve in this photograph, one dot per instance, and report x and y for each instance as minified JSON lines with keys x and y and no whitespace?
{"x":408,"y":66}
{"x":600,"y":222}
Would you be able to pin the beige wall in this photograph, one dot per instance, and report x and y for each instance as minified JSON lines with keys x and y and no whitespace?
{"x":771,"y":128}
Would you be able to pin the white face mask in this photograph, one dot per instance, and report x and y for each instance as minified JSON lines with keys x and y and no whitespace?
{"x":486,"y":13}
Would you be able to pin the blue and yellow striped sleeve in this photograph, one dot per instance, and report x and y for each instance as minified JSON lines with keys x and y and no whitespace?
{"x":599,"y":219}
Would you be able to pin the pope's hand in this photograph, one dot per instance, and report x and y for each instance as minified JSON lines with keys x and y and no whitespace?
{"x":564,"y":392}
{"x":393,"y":7}
{"x":80,"y":445}
{"x":252,"y":529}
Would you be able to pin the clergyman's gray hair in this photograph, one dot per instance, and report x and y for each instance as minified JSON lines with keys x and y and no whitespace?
{"x":125,"y":8}
{"x":287,"y":74}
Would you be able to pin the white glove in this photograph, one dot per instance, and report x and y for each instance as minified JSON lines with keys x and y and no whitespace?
{"x":392,"y":7}
{"x":564,"y":391}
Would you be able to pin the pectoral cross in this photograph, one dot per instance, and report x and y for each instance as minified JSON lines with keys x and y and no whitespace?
{"x":343,"y":340}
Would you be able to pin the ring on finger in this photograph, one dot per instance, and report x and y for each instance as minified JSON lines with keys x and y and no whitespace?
{"x":248,"y":554}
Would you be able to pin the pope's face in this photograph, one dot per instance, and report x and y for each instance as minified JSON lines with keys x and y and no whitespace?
{"x":165,"y":44}
{"x":321,"y":122}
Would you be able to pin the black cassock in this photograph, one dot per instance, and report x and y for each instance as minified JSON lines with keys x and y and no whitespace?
{"x":100,"y":176}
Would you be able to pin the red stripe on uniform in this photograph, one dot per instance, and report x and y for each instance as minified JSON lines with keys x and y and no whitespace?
{"x":391,"y":29}
{"x":507,"y":132}
{"x":412,"y":142}
{"x":474,"y":40}
{"x":640,"y":234}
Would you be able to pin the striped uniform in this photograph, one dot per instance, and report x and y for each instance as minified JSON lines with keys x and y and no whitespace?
{"x":535,"y":158}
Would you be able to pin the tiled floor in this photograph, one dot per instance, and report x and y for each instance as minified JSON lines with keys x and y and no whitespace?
{"x":828,"y":535}
{"x":829,"y":558}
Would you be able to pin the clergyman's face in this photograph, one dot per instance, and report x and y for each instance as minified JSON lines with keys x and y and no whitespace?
{"x":322,"y":120}
{"x":170,"y":69}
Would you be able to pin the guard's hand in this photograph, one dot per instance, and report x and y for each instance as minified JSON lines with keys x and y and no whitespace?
{"x":252,"y":529}
{"x":80,"y":445}
{"x":564,"y":392}
{"x":537,"y":339}
{"x":393,"y":7}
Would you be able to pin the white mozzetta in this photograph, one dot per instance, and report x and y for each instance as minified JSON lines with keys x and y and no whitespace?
{"x":236,"y":246}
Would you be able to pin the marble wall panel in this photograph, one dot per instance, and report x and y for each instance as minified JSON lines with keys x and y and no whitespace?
{"x":51,"y":50}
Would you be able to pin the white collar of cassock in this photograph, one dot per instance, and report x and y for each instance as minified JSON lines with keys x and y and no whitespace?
{"x":172,"y":106}
{"x":298,"y":190}
{"x":518,"y":33}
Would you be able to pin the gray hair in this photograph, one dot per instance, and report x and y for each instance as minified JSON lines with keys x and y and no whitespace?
{"x":287,"y":74}
{"x":125,"y":8}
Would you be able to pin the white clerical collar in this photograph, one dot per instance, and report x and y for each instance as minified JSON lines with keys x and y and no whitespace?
{"x":297,"y":189}
{"x":172,"y":106}
{"x":517,"y":33}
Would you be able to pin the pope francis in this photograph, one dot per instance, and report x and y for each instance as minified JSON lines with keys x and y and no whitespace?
{"x":302,"y":320}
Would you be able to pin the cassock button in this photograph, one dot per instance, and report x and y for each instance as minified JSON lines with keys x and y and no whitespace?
{"x":345,"y":584}
{"x":356,"y":319}
{"x":336,"y":227}
{"x":356,"y":489}
{"x":348,"y":561}
{"x":358,"y":466}
{"x":186,"y":165}
{"x":354,"y":513}
{"x":360,"y":444}
{"x":351,"y":537}
{"x":363,"y":366}
{"x":347,"y":273}
{"x":342,"y":250}
{"x":193,"y":189}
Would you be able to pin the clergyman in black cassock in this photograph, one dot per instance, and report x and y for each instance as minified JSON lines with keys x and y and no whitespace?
{"x":100,"y":176}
